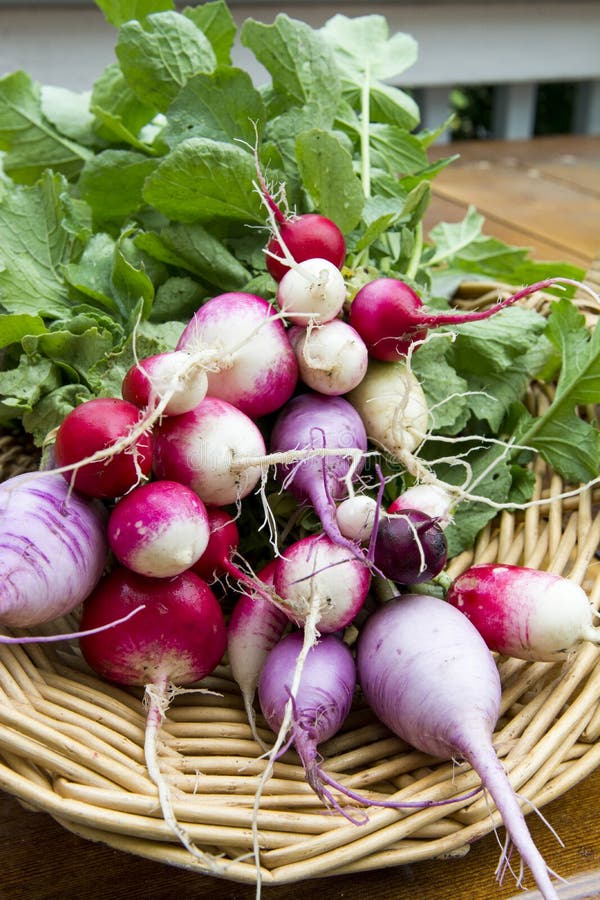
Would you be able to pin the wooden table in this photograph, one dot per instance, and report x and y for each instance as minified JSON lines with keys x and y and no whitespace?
{"x":544,"y":194}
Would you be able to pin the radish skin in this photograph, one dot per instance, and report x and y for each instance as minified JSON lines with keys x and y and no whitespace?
{"x":304,"y":237}
{"x":312,"y":292}
{"x":523,"y":612}
{"x":428,"y":676}
{"x":332,"y":358}
{"x":172,"y":373}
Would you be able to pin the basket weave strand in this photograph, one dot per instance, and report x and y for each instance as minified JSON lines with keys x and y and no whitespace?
{"x":72,"y":745}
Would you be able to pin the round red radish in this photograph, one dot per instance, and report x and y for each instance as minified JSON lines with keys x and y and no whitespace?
{"x":307,"y":236}
{"x":170,"y":374}
{"x":223,"y":540}
{"x":98,"y":425}
{"x":180,"y":636}
{"x":159,"y":529}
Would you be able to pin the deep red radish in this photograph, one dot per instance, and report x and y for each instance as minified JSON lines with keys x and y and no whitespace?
{"x":316,"y":572}
{"x":390,"y":316}
{"x":431,"y":499}
{"x":172,"y":377}
{"x":393,"y":407}
{"x":109,"y":432}
{"x":176,"y":640}
{"x":331,"y":428}
{"x":207,"y":448}
{"x":332,"y":357}
{"x":409,"y":547}
{"x":223,"y":542}
{"x":427,"y":674}
{"x":254,"y":627}
{"x":525,"y":612}
{"x":250,"y":362}
{"x":305,"y":237}
{"x":311,"y":292}
{"x":53,"y":548}
{"x":159,"y":529}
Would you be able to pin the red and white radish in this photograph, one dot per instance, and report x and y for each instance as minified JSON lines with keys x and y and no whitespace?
{"x":104,"y":447}
{"x":206,"y":449}
{"x":255,"y":626}
{"x":223,"y":542}
{"x":332,"y":358}
{"x":431,"y":499}
{"x":393,"y":407}
{"x":176,"y":640}
{"x":308,"y":236}
{"x":356,"y":517}
{"x":172,"y":376}
{"x":409,"y":547}
{"x":311,"y":292}
{"x":524,"y":612}
{"x":53,"y":548}
{"x":250,"y":361}
{"x":427,"y":674}
{"x":315,"y":572}
{"x":159,"y":529}
{"x":331,"y":428}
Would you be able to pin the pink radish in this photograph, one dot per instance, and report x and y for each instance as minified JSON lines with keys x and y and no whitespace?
{"x":99,"y":447}
{"x":177,"y":639}
{"x":172,"y":374}
{"x":250,"y":362}
{"x":207,"y":448}
{"x":427,"y":674}
{"x":223,"y":541}
{"x":53,"y":548}
{"x":159,"y":529}
{"x":305,"y":237}
{"x":332,"y":358}
{"x":431,"y":499}
{"x":524,"y":612}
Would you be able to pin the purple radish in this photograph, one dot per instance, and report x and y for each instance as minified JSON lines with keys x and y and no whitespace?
{"x":409,"y":547}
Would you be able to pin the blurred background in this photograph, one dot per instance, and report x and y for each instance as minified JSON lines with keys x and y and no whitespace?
{"x":505,"y":69}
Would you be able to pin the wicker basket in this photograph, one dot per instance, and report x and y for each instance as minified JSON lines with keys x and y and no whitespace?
{"x":72,"y":745}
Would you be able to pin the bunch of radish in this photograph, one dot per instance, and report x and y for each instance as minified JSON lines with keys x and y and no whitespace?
{"x":142,"y":505}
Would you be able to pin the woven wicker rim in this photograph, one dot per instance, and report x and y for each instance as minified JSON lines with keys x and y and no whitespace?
{"x":72,"y":745}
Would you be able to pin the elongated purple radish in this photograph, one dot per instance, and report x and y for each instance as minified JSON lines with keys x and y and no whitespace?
{"x":173,"y":373}
{"x":254,"y":627}
{"x":409,"y":547}
{"x":312,"y":421}
{"x":332,"y":358}
{"x":390,"y":316}
{"x":320,"y":705}
{"x":427,"y":674}
{"x":53,"y":548}
{"x":524,"y":612}
{"x":315,"y":571}
{"x":200,"y":449}
{"x":176,"y":640}
{"x":159,"y":529}
{"x":254,"y":366}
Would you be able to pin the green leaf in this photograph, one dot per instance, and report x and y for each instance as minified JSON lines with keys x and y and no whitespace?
{"x":51,"y":409}
{"x":203,"y":179}
{"x":75,"y":349}
{"x":445,"y":388}
{"x":450,"y":239}
{"x":22,"y":387}
{"x":159,"y":54}
{"x":32,"y":144}
{"x":91,"y":275}
{"x":215,"y":20}
{"x":112,"y":182}
{"x":70,"y":113}
{"x":177,"y":299}
{"x":222,"y":105}
{"x":34,"y":243}
{"x":299,"y":61}
{"x":395,"y":150}
{"x":119,"y":113}
{"x":117,"y":12}
{"x":14,"y":327}
{"x":327,"y":173}
{"x":363,"y":45}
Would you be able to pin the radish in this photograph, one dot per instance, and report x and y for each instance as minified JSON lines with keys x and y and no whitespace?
{"x":223,"y":540}
{"x":524,"y":612}
{"x":253,"y":365}
{"x":392,"y":405}
{"x":316,"y":572}
{"x":177,"y":639}
{"x":409,"y":547}
{"x":103,"y":447}
{"x":254,"y":627}
{"x":53,"y":548}
{"x":311,"y":292}
{"x":431,"y":499}
{"x":356,"y":517}
{"x":171,"y":374}
{"x":427,"y":674}
{"x":332,"y":358}
{"x":333,"y":429}
{"x":390,"y":316}
{"x":159,"y":529}
{"x":305,"y":237}
{"x":206,"y":449}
